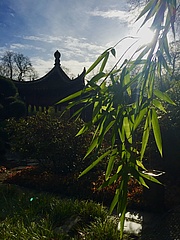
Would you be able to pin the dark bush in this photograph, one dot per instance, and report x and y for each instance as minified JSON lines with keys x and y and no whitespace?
{"x":51,"y":141}
{"x":10,"y":105}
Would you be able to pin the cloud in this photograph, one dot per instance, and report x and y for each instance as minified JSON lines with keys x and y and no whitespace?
{"x":72,"y":48}
{"x":121,"y":15}
{"x":42,"y":38}
{"x":16,"y":46}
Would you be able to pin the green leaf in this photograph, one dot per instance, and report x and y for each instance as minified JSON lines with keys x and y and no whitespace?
{"x":159,"y":17}
{"x":150,"y":178}
{"x":113,"y":51}
{"x":159,"y":105}
{"x":97,"y":77}
{"x":151,"y":13}
{"x":92,"y":146}
{"x":99,"y":59}
{"x":163,"y":96}
{"x":166,"y":47}
{"x":141,"y":180}
{"x":70,"y":97}
{"x":114,"y":201}
{"x":141,"y":55}
{"x":84,"y":129}
{"x":127,"y":83}
{"x":156,"y":130}
{"x":140,"y":164}
{"x":139,"y":118}
{"x":127,"y":129}
{"x":110,"y":164}
{"x":104,"y":62}
{"x":110,"y":181}
{"x":148,"y":7}
{"x":95,"y":163}
{"x":145,"y":135}
{"x":122,"y":220}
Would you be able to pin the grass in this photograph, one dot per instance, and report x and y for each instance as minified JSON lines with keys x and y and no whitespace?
{"x":30,"y":215}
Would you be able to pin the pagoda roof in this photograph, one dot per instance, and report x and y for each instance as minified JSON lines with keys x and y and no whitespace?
{"x":51,"y":88}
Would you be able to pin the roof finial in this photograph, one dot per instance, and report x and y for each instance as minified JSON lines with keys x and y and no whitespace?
{"x":57,"y":56}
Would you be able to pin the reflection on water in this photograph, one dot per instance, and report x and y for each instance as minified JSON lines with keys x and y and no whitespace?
{"x":133,"y":223}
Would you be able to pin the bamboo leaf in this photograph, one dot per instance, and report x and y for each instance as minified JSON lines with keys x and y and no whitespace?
{"x":110,"y":181}
{"x":127,"y":129}
{"x":166,"y":47}
{"x":163,"y":96}
{"x":146,"y":9}
{"x":150,"y":177}
{"x":151,"y":13}
{"x":92,"y":146}
{"x":110,"y":164}
{"x":140,"y":164}
{"x":159,"y":17}
{"x":95,"y":163}
{"x":159,"y":105}
{"x":122,"y":220}
{"x":141,"y":180}
{"x":84,"y":129}
{"x":141,"y":55}
{"x":113,"y":51}
{"x":145,"y":137}
{"x":104,"y":62}
{"x":156,"y":130}
{"x":70,"y":97}
{"x":136,"y":174}
{"x":99,"y":59}
{"x":97,"y":77}
{"x":139,"y":118}
{"x":114,"y":201}
{"x":127,"y":83}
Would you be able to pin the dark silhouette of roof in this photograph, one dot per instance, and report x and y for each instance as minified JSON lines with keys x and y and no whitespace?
{"x":49,"y":89}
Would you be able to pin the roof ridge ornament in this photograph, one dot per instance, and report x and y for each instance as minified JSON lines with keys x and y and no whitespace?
{"x":57,"y":56}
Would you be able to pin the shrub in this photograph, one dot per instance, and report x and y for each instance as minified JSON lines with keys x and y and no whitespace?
{"x":50,"y":140}
{"x":10,"y":105}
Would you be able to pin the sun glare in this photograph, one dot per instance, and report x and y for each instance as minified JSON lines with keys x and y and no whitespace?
{"x":145,"y":35}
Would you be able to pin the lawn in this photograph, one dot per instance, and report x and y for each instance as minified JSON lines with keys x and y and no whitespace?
{"x":29,"y":214}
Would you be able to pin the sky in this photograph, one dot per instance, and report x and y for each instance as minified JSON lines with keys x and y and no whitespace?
{"x":80,"y":29}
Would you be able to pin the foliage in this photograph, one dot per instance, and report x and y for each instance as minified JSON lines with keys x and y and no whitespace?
{"x":10,"y":105}
{"x":129,"y":102}
{"x":170,"y":128}
{"x":102,"y":230}
{"x":50,"y":140}
{"x":31,"y":215}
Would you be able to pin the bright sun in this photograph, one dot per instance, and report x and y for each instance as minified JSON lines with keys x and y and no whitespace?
{"x":145,"y":35}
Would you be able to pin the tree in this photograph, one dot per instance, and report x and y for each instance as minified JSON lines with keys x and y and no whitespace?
{"x":128,"y":103}
{"x":175,"y":55}
{"x":10,"y":104}
{"x":7,"y":65}
{"x":17,"y":66}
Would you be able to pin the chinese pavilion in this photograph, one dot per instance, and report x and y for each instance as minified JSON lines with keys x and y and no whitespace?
{"x":49,"y":89}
